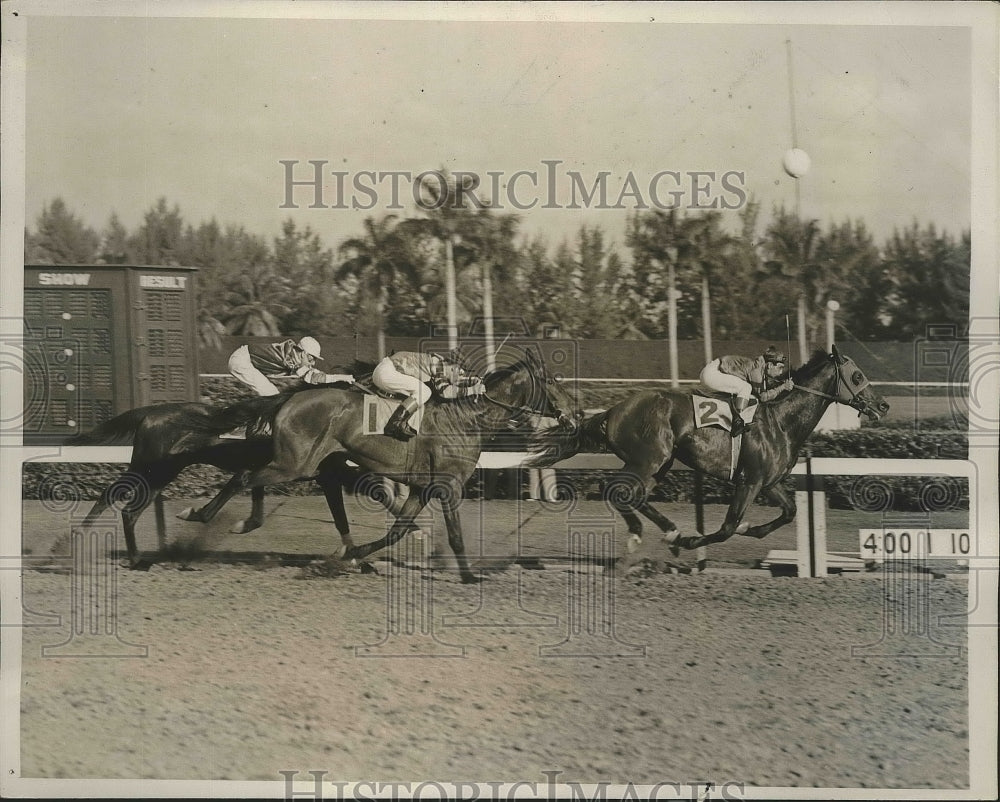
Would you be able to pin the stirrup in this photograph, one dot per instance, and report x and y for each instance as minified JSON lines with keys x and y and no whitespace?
{"x":399,"y":429}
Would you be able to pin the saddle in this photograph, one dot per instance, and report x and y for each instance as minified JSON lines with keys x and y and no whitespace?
{"x":714,"y":409}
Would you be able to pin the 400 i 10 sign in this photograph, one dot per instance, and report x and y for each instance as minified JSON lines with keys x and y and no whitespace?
{"x":103,"y":339}
{"x":914,"y":544}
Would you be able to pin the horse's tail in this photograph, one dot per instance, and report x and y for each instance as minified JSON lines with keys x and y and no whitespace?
{"x":118,"y":431}
{"x":244,"y":413}
{"x":560,"y":442}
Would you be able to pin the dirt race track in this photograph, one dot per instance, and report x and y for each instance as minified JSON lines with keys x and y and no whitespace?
{"x":244,"y":666}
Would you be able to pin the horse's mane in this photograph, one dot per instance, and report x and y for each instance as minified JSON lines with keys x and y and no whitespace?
{"x":817,"y":361}
{"x":359,"y":368}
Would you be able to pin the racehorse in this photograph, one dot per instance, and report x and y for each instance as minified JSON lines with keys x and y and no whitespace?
{"x":311,"y":428}
{"x":652,"y":428}
{"x":167,"y":438}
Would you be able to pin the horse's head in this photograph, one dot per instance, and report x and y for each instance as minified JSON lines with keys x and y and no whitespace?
{"x":854,"y":389}
{"x":526,"y":388}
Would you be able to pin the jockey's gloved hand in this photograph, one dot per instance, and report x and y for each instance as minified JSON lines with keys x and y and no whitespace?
{"x":334,"y":378}
{"x":787,"y":385}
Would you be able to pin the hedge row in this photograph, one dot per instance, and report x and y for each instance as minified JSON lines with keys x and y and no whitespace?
{"x":72,"y":481}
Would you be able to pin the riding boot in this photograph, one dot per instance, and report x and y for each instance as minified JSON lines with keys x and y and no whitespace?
{"x":397,"y":426}
{"x":740,"y":424}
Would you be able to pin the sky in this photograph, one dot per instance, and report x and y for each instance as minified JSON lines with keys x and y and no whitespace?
{"x":123,"y":110}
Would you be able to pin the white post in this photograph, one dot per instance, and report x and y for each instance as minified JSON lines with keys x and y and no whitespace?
{"x":672,"y":323}
{"x":449,"y":257}
{"x":491,"y":359}
{"x":803,"y":346}
{"x":831,"y":310}
{"x":706,"y":316}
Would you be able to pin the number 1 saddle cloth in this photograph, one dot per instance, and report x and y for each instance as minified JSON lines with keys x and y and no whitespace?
{"x":376,"y":413}
{"x":715,"y":410}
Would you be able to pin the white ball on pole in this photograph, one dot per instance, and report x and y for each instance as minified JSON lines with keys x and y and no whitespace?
{"x":833,"y":305}
{"x":796,"y":162}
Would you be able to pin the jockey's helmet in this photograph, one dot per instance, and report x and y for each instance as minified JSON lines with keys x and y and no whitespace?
{"x":310,"y":346}
{"x":773,"y":355}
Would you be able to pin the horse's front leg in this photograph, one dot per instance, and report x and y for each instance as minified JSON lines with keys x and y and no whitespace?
{"x":451,"y":500}
{"x":786,"y":502}
{"x":743,"y":495}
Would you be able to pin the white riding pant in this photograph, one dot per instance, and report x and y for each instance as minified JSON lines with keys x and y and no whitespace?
{"x":242,"y":368}
{"x":388,"y":378}
{"x":715,"y":379}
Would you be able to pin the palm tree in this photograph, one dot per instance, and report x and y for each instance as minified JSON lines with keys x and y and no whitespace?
{"x":451,"y":222}
{"x":377,"y":260}
{"x":253,"y":303}
{"x":492,"y":239}
{"x":791,"y":244}
{"x":666,"y":238}
{"x":709,"y":251}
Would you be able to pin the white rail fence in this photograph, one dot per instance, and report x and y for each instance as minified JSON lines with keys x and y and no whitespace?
{"x":811,"y":557}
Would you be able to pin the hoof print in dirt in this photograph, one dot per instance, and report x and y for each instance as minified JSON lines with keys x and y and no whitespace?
{"x":332,"y":567}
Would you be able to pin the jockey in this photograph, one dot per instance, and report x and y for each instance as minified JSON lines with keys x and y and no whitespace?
{"x":254,"y":364}
{"x":407,"y":372}
{"x":743,"y":376}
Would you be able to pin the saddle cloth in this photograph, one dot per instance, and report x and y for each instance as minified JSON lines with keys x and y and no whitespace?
{"x":715,"y":410}
{"x":376,"y":413}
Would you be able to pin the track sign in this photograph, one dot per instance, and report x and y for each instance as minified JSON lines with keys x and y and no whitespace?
{"x":915,"y":544}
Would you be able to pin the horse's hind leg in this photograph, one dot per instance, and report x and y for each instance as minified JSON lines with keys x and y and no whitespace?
{"x":625,"y":492}
{"x":786,"y":502}
{"x":256,"y":519}
{"x":207,"y":512}
{"x":333,"y":489}
{"x":743,"y":496}
{"x":629,"y":494}
{"x":414,"y":503}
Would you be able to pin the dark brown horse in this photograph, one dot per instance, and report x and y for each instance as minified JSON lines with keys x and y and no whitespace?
{"x":651,"y":429}
{"x":312,"y":428}
{"x":167,"y":438}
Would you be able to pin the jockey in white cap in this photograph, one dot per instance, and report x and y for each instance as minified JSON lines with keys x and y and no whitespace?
{"x":257,"y":363}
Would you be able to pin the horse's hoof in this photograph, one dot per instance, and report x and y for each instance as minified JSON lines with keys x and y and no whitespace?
{"x":633,"y":543}
{"x":341,"y":553}
{"x":471,"y":579}
{"x":188,"y":514}
{"x":688,"y":542}
{"x":743,"y":528}
{"x":142,"y":564}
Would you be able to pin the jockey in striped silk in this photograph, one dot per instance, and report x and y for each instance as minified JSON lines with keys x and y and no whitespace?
{"x":409,"y":372}
{"x":256,"y":364}
{"x":743,"y":377}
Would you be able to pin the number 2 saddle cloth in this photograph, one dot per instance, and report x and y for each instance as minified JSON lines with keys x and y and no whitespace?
{"x":714,"y":409}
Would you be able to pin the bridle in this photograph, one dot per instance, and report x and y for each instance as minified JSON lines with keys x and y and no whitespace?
{"x":855,"y":401}
{"x":520,"y":410}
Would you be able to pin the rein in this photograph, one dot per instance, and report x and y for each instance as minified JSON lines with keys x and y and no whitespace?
{"x":835,"y":398}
